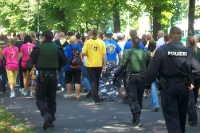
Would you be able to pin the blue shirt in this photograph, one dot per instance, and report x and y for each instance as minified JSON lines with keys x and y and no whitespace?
{"x":128,"y":45}
{"x":80,"y":43}
{"x":68,"y":53}
{"x":112,"y":49}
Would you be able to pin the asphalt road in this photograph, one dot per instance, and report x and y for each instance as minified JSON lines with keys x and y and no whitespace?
{"x":84,"y":117}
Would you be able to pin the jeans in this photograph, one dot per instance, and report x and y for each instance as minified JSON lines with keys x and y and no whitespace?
{"x":61,"y":78}
{"x":85,"y":79}
{"x":153,"y":99}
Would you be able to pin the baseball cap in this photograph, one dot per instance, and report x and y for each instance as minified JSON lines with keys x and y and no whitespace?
{"x":120,"y":35}
{"x":109,"y":32}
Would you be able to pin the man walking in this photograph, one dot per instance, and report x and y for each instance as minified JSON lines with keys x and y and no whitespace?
{"x":47,"y":57}
{"x":95,"y":51}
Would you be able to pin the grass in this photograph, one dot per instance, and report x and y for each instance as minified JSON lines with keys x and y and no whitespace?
{"x":10,"y":124}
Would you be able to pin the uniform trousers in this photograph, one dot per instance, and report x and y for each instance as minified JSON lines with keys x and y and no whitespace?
{"x":46,"y":94}
{"x":135,"y":89}
{"x":174,"y":100}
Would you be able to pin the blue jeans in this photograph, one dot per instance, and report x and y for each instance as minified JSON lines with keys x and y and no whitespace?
{"x":86,"y":83}
{"x":153,"y":99}
{"x":61,"y":78}
{"x":85,"y":79}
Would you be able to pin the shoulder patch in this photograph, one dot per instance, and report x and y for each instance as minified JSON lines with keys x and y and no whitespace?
{"x":176,"y":53}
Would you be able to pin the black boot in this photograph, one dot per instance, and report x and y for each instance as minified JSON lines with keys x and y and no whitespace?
{"x":47,"y":120}
{"x":51,"y":125}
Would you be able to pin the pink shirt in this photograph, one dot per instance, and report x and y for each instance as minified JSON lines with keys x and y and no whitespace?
{"x":26,"y":50}
{"x":11,"y":56}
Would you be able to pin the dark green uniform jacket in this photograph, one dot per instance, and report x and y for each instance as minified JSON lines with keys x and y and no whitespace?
{"x":138,"y":62}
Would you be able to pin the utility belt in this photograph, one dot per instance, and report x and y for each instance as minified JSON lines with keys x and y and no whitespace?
{"x":130,"y":75}
{"x":175,"y":80}
{"x":43,"y":74}
{"x":186,"y":80}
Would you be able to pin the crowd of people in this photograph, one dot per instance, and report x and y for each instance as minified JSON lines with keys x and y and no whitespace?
{"x":20,"y":66}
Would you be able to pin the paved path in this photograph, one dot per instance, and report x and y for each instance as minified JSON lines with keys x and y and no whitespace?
{"x":84,"y":117}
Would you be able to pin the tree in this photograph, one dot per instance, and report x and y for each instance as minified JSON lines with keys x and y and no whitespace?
{"x":159,"y":11}
{"x":191,"y":15}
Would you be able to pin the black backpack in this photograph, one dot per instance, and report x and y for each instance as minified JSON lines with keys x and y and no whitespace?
{"x":76,"y":61}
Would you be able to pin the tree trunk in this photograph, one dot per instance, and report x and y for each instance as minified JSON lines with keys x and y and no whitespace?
{"x":61,"y":16}
{"x":86,"y":24}
{"x":191,"y":15}
{"x":116,"y":18}
{"x":156,"y":21}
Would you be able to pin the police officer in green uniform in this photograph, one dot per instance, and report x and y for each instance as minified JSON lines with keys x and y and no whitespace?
{"x":47,"y":58}
{"x":135,"y":62}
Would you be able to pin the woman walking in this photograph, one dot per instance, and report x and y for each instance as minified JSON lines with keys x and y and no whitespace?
{"x":25,"y":52}
{"x":12,"y":57}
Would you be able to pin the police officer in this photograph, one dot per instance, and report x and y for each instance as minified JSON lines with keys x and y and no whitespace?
{"x":175,"y":63}
{"x":47,"y":57}
{"x":135,"y":62}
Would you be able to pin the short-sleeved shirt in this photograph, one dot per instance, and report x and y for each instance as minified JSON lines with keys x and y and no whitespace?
{"x":128,"y":45}
{"x":11,"y":55}
{"x":112,"y":49}
{"x":94,"y":50}
{"x":26,"y":50}
{"x":68,"y":53}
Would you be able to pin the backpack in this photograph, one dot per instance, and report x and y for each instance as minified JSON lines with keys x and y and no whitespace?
{"x":76,"y":61}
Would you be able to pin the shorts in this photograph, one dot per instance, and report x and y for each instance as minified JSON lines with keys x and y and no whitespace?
{"x":75,"y":74}
{"x":12,"y":75}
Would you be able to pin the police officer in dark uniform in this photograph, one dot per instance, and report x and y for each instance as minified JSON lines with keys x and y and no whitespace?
{"x":135,"y":62}
{"x":175,"y":63}
{"x":47,"y":57}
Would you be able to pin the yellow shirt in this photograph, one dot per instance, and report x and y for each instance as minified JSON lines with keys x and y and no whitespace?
{"x":94,"y":50}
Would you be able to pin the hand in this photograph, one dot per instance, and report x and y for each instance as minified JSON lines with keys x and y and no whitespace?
{"x":146,"y":91}
{"x":104,"y":69}
{"x":191,"y":87}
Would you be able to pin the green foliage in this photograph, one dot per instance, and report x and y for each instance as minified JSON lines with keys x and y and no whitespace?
{"x":197,"y":12}
{"x":81,"y":15}
{"x":9,"y":124}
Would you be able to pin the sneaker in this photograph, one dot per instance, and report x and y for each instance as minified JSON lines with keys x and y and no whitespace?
{"x":137,"y":123}
{"x":22,"y":91}
{"x":16,"y":86}
{"x":31,"y":94}
{"x":155,"y":109}
{"x":66,"y":96}
{"x":145,"y":95}
{"x":25,"y":92}
{"x":12,"y":94}
{"x":96,"y":103}
{"x":62,"y":89}
{"x":198,"y":106}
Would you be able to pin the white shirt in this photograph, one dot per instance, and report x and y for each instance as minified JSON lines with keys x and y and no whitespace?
{"x":121,"y":44}
{"x":160,"y":42}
